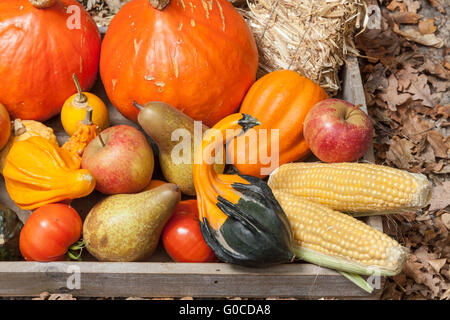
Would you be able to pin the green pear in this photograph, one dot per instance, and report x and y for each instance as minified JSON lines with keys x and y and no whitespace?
{"x":127,"y":227}
{"x":160,"y":121}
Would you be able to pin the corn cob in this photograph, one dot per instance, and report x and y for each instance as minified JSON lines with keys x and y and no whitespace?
{"x":357,"y":188}
{"x":338,"y":241}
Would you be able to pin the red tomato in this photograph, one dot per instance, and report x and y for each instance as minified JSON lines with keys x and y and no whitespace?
{"x":182,"y":237}
{"x":49,"y":232}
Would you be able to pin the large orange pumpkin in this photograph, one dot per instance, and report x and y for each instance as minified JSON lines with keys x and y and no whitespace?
{"x":279,"y":100}
{"x":40,"y":49}
{"x":5,"y":126}
{"x":198,"y":56}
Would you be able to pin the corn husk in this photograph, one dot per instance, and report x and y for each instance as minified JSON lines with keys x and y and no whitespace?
{"x":312,"y":37}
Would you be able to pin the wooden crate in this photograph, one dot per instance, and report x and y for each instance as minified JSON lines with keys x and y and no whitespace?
{"x":159,"y":277}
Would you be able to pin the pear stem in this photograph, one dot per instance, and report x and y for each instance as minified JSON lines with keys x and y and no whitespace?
{"x":137,"y":105}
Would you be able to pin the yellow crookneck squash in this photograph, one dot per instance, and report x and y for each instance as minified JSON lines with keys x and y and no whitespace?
{"x":239,"y":217}
{"x":38,"y":172}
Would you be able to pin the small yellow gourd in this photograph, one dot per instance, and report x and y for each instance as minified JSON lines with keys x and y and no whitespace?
{"x":38,"y":172}
{"x":74,"y":110}
{"x":86,"y":132}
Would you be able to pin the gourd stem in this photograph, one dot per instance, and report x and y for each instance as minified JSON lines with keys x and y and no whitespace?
{"x":80,"y":98}
{"x":42,"y":4}
{"x":88,"y":118}
{"x":159,"y":4}
{"x":19,"y":128}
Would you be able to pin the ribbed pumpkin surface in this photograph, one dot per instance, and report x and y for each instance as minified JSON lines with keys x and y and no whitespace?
{"x":279,"y":100}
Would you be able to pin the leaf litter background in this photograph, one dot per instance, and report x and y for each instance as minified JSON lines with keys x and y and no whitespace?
{"x":405,"y":67}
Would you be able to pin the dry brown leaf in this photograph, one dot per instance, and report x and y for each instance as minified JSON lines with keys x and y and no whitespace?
{"x":437,"y":264}
{"x":377,"y":79}
{"x":423,"y":254}
{"x":413,"y":34}
{"x":440,"y":197}
{"x":414,"y":127}
{"x":445,"y":218}
{"x":412,"y":5}
{"x":61,"y":296}
{"x":413,"y":269}
{"x":426,"y":26}
{"x":428,"y":157}
{"x":405,"y":76}
{"x":406,"y":17}
{"x":433,"y":283}
{"x":391,"y":96}
{"x":393,"y":5}
{"x":421,"y":91}
{"x":438,"y":85}
{"x":400,"y":153}
{"x":436,"y":141}
{"x":440,"y":111}
{"x":436,"y":69}
{"x":437,"y":5}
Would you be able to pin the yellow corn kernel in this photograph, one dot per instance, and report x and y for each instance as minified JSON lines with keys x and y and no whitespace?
{"x":358,"y":188}
{"x":339,"y":241}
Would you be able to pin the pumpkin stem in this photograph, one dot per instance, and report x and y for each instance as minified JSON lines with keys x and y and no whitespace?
{"x":42,"y":4}
{"x":19,"y":128}
{"x":81,"y":98}
{"x":137,"y":105}
{"x":88,"y":118}
{"x":159,"y":4}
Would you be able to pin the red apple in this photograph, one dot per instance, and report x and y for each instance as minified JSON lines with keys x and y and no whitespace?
{"x":337,"y":131}
{"x":121,"y":161}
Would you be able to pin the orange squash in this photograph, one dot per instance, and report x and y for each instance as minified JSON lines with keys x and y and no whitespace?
{"x":279,"y":100}
{"x":198,"y":56}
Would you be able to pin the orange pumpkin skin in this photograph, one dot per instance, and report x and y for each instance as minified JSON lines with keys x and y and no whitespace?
{"x":198,"y":56}
{"x":39,"y":53}
{"x":5,"y":126}
{"x":279,"y":100}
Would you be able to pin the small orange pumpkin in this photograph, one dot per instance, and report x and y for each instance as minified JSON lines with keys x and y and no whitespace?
{"x":279,"y":100}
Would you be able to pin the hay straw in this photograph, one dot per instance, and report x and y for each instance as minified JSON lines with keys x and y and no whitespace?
{"x":311,"y":37}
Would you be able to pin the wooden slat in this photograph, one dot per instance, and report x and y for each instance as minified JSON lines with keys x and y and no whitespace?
{"x":175,"y":280}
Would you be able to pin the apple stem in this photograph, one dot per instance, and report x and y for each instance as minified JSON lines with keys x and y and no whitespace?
{"x":101,"y":139}
{"x":137,"y":105}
